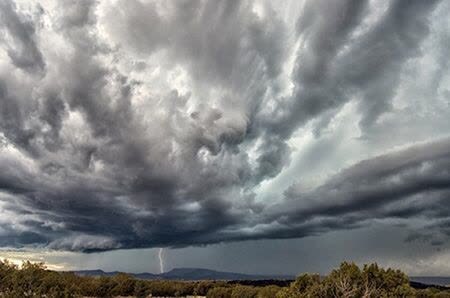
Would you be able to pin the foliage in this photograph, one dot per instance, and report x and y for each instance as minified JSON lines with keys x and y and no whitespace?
{"x":347,"y":281}
{"x":268,"y":292}
{"x":219,"y":292}
{"x":350,"y":281}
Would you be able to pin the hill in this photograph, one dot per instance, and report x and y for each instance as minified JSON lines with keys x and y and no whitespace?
{"x":443,"y":281}
{"x":189,"y":274}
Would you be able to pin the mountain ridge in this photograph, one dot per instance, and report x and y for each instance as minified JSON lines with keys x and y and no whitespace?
{"x":193,"y":274}
{"x":188,"y":274}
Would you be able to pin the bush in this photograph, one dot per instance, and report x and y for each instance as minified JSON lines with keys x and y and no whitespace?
{"x":219,"y":292}
{"x":349,"y":280}
{"x":268,"y":292}
{"x":352,"y":282}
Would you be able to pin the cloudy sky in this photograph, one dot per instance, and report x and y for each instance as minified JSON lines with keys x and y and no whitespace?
{"x":249,"y":136}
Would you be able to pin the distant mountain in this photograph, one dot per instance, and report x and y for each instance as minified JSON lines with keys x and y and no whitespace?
{"x":188,"y":274}
{"x":92,"y":273}
{"x":431,"y":280}
{"x":207,"y":274}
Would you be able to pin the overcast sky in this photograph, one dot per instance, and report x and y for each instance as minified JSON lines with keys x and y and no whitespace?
{"x":248,"y":136}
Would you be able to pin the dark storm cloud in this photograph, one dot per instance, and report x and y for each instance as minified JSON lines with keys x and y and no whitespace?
{"x":414,"y":182}
{"x":95,"y":156}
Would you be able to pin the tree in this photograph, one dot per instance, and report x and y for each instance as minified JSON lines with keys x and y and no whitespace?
{"x":244,"y":292}
{"x":305,"y":286}
{"x":268,"y":292}
{"x":345,"y":282}
{"x":140,"y":289}
{"x":219,"y":292}
{"x":349,"y":280}
{"x":124,"y":285}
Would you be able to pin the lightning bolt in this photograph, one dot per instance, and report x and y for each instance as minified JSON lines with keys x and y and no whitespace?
{"x":161,"y":260}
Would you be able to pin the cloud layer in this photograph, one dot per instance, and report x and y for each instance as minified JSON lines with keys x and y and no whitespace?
{"x":130,"y":124}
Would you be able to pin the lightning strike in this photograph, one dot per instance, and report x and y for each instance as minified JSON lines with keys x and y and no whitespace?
{"x":161,"y":260}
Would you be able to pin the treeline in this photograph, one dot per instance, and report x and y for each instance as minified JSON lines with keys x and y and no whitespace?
{"x":33,"y":280}
{"x":351,"y":281}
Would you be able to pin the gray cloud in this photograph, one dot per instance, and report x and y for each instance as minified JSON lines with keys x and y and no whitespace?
{"x":338,"y":63}
{"x":407,"y":184}
{"x":20,"y":39}
{"x":156,"y":124}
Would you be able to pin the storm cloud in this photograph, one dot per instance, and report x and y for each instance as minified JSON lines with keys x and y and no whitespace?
{"x":135,"y":124}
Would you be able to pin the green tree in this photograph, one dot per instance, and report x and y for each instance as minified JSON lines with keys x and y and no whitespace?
{"x":244,"y":292}
{"x":268,"y":292}
{"x":124,"y":285}
{"x":141,"y":289}
{"x":219,"y":292}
